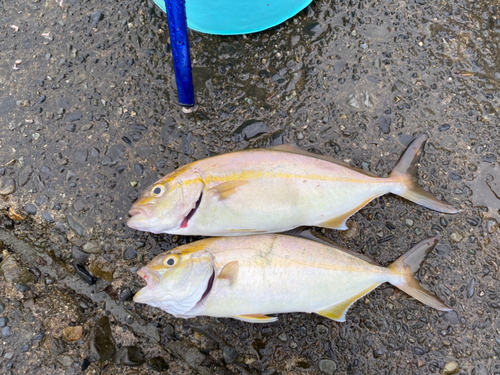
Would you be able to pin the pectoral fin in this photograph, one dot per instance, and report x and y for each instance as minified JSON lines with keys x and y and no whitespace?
{"x":226,"y":189}
{"x":340,"y":221}
{"x":230,"y":272}
{"x":256,"y":318}
{"x":338,"y":311}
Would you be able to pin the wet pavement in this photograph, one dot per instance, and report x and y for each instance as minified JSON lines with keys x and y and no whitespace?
{"x":88,"y":118}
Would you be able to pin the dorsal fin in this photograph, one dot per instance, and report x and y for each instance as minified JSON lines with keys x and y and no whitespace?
{"x":302,"y":232}
{"x":297,"y":150}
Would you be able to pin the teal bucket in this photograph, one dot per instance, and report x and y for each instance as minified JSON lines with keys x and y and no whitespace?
{"x":232,"y":17}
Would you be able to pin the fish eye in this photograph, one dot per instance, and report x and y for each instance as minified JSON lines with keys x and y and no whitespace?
{"x":157,"y":190}
{"x":171,"y":260}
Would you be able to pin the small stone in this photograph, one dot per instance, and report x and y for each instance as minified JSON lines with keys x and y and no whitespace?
{"x":101,"y":342}
{"x":282,"y":336}
{"x":65,"y":360}
{"x":491,"y":225}
{"x":47,"y":217}
{"x":79,"y":256}
{"x":22,"y":287}
{"x":409,"y":222}
{"x":6,"y":331}
{"x":102,"y":268}
{"x":2,"y":307}
{"x":158,"y":364}
{"x":126,"y":294}
{"x":129,"y":253}
{"x":82,"y":155}
{"x":75,"y":226}
{"x":129,"y":356}
{"x":96,"y":17}
{"x":24,"y":175}
{"x":70,"y":334}
{"x":451,"y":368}
{"x":92,"y":247}
{"x":3,"y":322}
{"x":456,"y":237}
{"x":327,"y":366}
{"x":30,"y":209}
{"x":70,"y":117}
{"x":7,"y":186}
{"x":229,"y":354}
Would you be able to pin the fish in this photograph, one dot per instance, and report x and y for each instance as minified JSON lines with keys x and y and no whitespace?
{"x":249,"y":277}
{"x":271,"y":190}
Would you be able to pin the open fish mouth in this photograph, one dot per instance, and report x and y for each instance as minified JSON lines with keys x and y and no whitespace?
{"x":184,"y":223}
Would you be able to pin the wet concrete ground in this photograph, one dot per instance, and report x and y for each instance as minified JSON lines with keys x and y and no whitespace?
{"x":89,"y":119}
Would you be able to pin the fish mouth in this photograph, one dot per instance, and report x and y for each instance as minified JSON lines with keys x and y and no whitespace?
{"x":139,"y":211}
{"x":184,"y":223}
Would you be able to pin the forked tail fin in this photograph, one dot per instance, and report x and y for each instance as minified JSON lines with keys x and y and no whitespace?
{"x":406,"y":171}
{"x":407,"y":265}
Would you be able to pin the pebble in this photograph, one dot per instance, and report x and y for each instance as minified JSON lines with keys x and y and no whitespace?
{"x":74,"y":225}
{"x":6,"y":332}
{"x":451,"y":368}
{"x":102,"y":269}
{"x":129,"y":356}
{"x":22,"y":287}
{"x":101,"y":342}
{"x":491,"y":225}
{"x":282,"y":337}
{"x":2,"y":307}
{"x":24,"y":175}
{"x":82,"y":155}
{"x":7,"y":187}
{"x":230,"y":354}
{"x":409,"y":222}
{"x":30,"y":209}
{"x":129,"y":253}
{"x":47,"y":217}
{"x":84,"y":274}
{"x":3,"y":322}
{"x":79,"y":256}
{"x":96,"y":17}
{"x":70,"y":334}
{"x":126,"y":294}
{"x":65,"y":360}
{"x":92,"y":247}
{"x":456,"y":237}
{"x":327,"y":366}
{"x":158,"y":364}
{"x":70,"y":117}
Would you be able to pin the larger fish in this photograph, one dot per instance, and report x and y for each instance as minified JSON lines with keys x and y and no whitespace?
{"x":247,"y":278}
{"x":271,"y":190}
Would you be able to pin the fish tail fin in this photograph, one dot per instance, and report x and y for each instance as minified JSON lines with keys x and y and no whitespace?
{"x":406,"y":170}
{"x":407,"y":265}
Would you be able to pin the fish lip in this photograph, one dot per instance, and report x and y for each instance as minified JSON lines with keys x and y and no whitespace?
{"x":140,"y":211}
{"x":191,"y":213}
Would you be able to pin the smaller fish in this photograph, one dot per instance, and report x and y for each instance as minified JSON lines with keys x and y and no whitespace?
{"x":247,"y":278}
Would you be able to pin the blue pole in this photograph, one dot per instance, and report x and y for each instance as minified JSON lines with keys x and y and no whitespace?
{"x":177,"y":27}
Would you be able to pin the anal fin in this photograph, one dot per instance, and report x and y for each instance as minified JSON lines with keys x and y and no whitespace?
{"x":339,"y":222}
{"x":256,"y":318}
{"x":338,"y":311}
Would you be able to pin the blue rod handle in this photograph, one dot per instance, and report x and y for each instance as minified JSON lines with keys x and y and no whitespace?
{"x":177,"y":27}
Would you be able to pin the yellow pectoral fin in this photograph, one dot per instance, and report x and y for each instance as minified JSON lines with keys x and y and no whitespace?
{"x":230,"y":272}
{"x":256,"y":318}
{"x":226,"y":189}
{"x":338,"y":311}
{"x":339,"y":222}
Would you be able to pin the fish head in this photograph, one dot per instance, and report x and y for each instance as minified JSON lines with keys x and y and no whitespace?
{"x":177,"y":280}
{"x":168,"y":204}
